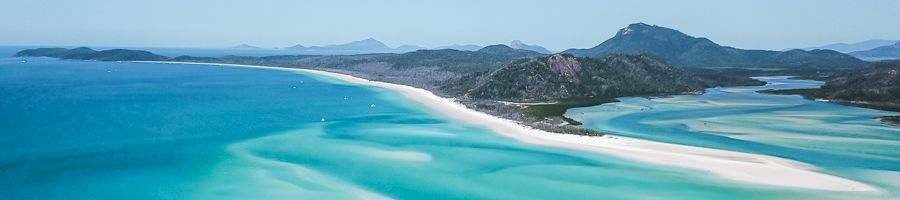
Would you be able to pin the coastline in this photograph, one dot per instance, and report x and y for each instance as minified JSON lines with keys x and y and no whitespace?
{"x":889,"y":120}
{"x":751,"y":168}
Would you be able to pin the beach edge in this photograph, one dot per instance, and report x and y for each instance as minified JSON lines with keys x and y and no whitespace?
{"x":738,"y":166}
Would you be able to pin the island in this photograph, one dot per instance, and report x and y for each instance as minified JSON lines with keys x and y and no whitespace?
{"x":535,"y":89}
{"x":522,"y":94}
{"x":875,"y":86}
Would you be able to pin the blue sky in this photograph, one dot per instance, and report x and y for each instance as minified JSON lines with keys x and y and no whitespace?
{"x":557,"y":25}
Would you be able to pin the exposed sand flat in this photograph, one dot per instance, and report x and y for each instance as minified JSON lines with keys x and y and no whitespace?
{"x":526,"y":104}
{"x":752,"y":168}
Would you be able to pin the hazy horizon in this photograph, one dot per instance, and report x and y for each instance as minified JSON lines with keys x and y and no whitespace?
{"x":556,"y":26}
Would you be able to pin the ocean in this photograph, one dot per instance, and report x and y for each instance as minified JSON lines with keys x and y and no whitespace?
{"x":123,"y":130}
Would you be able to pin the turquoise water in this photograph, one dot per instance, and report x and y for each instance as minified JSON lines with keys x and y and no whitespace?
{"x":119,"y":130}
{"x":842,"y":140}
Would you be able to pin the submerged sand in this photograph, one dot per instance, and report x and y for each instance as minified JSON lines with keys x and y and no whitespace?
{"x":747,"y":167}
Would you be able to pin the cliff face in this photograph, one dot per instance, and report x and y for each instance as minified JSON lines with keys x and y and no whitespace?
{"x":568,"y":67}
{"x":566,"y":77}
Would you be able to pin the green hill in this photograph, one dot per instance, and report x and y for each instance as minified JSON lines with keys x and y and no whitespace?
{"x":876,"y":86}
{"x":557,"y":77}
{"x":687,"y":51}
{"x":84,"y":53}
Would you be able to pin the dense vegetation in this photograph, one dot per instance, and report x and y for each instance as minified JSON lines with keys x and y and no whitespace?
{"x":84,"y":53}
{"x":485,"y":59}
{"x":892,"y":120}
{"x":686,"y":51}
{"x":728,"y":77}
{"x":568,"y":81}
{"x":567,"y":77}
{"x":810,"y":93}
{"x":876,"y":86}
{"x":559,"y":108}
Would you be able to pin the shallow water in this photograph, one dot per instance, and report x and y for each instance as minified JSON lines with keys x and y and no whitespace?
{"x":118,"y":130}
{"x":841,"y":140}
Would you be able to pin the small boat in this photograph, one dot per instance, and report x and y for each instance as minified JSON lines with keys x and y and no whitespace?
{"x":23,"y":61}
{"x":373,"y":106}
{"x":323,"y":119}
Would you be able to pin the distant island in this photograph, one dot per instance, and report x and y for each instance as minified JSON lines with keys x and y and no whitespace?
{"x":84,"y":53}
{"x":536,"y":88}
{"x":245,"y":46}
{"x":461,"y":47}
{"x":369,"y":45}
{"x":853,"y":47}
{"x":887,"y":51}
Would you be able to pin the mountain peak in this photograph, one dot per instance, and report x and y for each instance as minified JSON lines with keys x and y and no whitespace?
{"x":368,"y":44}
{"x":688,"y":51}
{"x":298,"y":46}
{"x":642,"y":28}
{"x":640,"y":25}
{"x":517,"y":44}
{"x":369,"y":41}
{"x":631,"y":28}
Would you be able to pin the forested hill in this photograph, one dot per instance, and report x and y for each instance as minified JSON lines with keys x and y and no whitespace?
{"x":876,"y":86}
{"x":687,"y":51}
{"x":567,"y":77}
{"x":84,"y":53}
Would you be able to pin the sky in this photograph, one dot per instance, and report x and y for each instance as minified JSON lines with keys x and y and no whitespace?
{"x":557,"y":25}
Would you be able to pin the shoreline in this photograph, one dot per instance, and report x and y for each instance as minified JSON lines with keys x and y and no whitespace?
{"x":738,"y":166}
{"x":889,"y":120}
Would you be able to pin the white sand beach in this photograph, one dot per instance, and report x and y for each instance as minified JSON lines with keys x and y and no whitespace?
{"x":751,"y":168}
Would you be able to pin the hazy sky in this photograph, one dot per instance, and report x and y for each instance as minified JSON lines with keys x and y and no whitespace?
{"x":557,"y":25}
